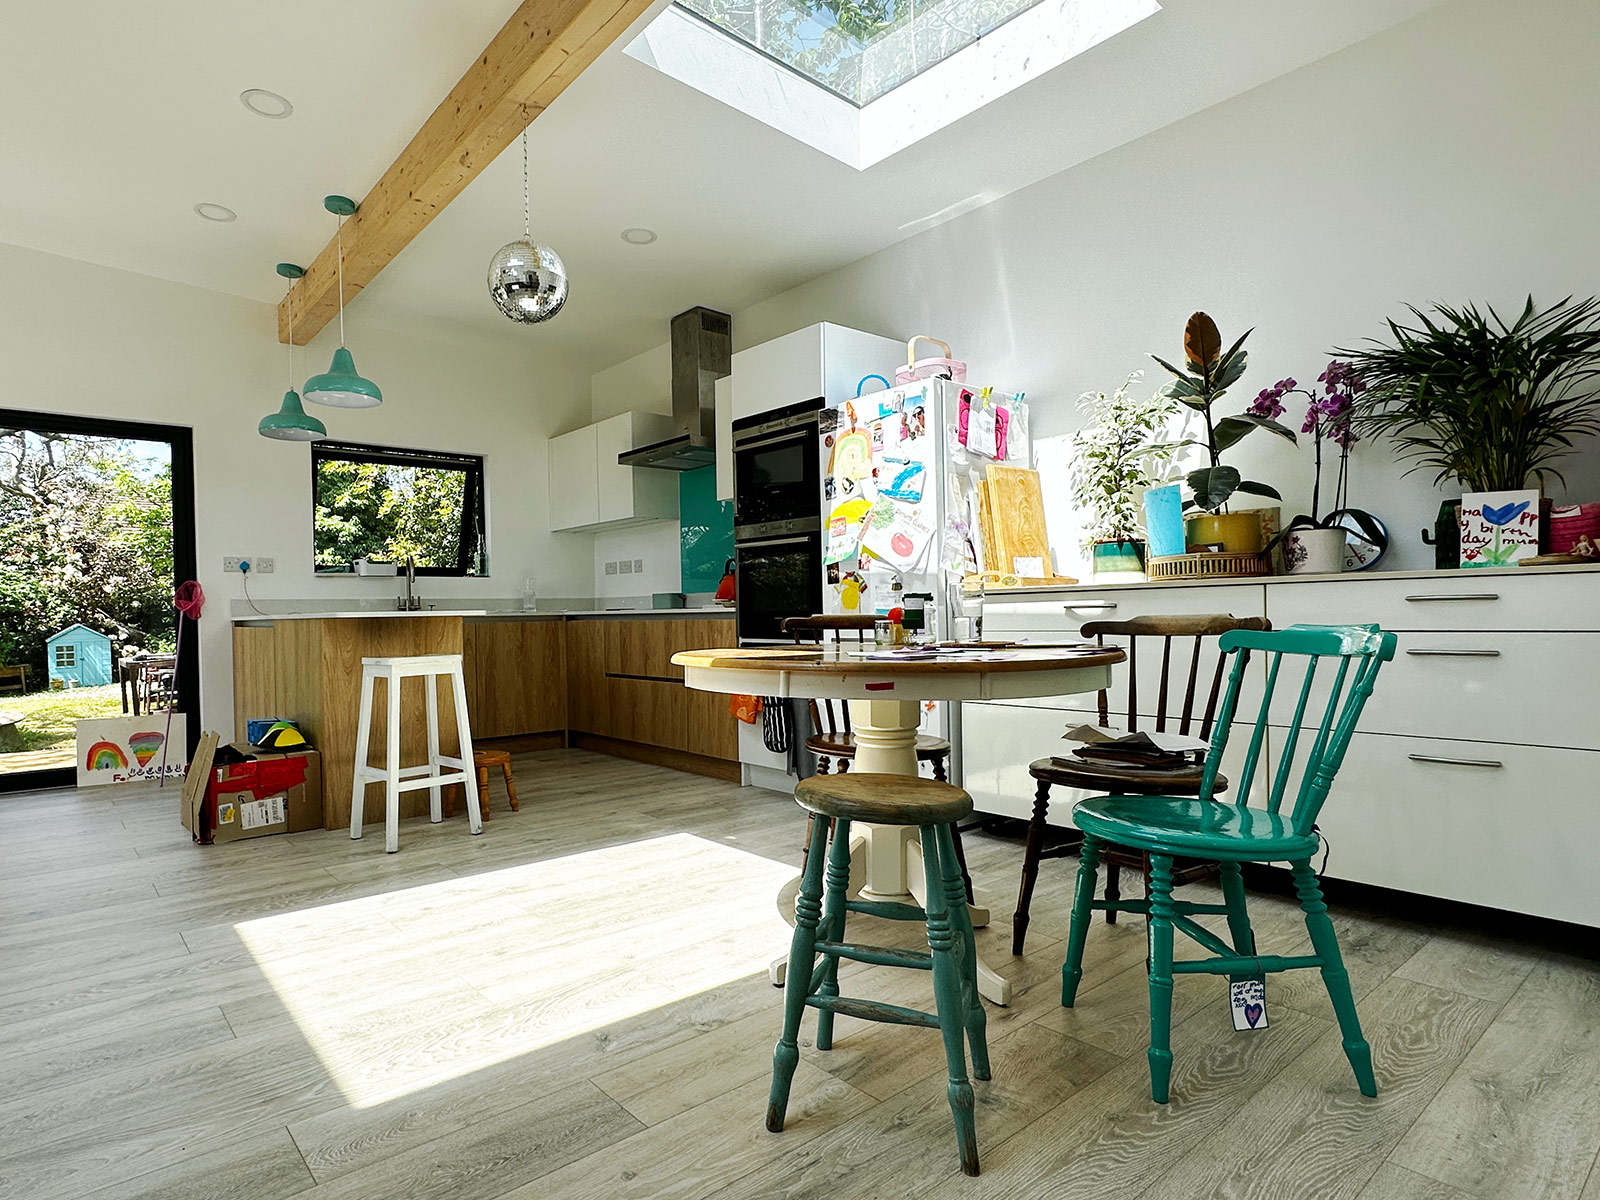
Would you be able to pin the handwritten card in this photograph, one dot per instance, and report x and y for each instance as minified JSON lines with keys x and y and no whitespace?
{"x":1249,"y":1000}
{"x":1499,"y":528}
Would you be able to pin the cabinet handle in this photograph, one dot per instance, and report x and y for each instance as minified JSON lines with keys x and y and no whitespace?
{"x":1422,"y":653}
{"x":1428,"y":599}
{"x":1091,"y":606}
{"x":1491,"y":763}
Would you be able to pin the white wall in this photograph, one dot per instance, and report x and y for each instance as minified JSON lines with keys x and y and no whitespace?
{"x":1444,"y":160}
{"x":88,"y":340}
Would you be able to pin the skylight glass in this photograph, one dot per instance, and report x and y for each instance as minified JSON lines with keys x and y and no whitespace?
{"x":859,"y":50}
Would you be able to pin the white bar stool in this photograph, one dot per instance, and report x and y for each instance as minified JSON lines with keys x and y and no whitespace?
{"x":397,"y":779}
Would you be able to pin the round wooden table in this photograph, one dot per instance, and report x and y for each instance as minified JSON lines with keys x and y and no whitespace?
{"x":885,"y":697}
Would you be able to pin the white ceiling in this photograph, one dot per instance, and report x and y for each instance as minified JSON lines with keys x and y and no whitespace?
{"x":118,"y":118}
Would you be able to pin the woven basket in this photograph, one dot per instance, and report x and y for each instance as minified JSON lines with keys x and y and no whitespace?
{"x":1205,"y":566}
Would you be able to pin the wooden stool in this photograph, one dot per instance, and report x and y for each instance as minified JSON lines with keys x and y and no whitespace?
{"x":483,"y":760}
{"x":395,"y":778}
{"x":952,"y":956}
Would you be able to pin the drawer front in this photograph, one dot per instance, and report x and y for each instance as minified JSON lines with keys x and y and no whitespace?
{"x":1447,"y":600}
{"x":1063,"y":614}
{"x":998,"y":741}
{"x":1511,"y":827}
{"x":1484,"y":686}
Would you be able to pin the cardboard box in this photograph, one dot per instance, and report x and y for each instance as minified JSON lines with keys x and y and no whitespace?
{"x":271,"y":791}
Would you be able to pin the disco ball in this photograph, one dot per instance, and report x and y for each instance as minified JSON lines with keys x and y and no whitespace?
{"x":528,"y":281}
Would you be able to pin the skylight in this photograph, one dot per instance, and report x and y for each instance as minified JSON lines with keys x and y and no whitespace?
{"x":863,"y":79}
{"x":858,"y":49}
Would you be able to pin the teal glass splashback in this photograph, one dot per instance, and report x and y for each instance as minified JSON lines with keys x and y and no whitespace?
{"x":707,"y":529}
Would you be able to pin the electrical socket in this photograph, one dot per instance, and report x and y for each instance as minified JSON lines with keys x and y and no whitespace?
{"x":638,"y":566}
{"x":232,"y":564}
{"x":625,"y":567}
{"x":611,"y":568}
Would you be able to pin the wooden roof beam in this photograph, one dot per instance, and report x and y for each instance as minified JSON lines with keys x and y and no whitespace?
{"x":543,"y":47}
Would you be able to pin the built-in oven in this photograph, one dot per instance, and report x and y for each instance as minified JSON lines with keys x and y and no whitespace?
{"x":779,"y":574}
{"x":777,"y":472}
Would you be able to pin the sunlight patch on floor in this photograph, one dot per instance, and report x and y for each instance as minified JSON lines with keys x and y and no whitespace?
{"x":402,"y":990}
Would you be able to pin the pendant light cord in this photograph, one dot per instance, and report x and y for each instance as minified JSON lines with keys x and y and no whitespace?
{"x":289,"y":297}
{"x":338,"y":237}
{"x":527,"y":228}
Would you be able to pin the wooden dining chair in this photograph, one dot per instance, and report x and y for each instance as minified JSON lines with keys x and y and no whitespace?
{"x":1232,"y":833}
{"x":1205,"y":660}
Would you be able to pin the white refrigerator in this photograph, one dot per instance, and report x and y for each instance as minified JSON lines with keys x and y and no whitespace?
{"x":900,"y":469}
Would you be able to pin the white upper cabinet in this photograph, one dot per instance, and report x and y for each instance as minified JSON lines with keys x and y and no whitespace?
{"x":821,"y":360}
{"x":590,"y":490}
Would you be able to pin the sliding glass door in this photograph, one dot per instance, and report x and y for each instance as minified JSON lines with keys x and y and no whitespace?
{"x":96,"y":532}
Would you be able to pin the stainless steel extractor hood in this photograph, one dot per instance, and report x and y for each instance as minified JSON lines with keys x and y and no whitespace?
{"x":702,"y":353}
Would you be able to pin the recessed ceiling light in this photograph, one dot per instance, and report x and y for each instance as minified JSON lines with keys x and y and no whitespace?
{"x":266,"y":104}
{"x":638,"y":236}
{"x":214,"y":212}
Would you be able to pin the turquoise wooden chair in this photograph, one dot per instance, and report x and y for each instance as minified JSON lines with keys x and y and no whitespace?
{"x":1233,"y":832}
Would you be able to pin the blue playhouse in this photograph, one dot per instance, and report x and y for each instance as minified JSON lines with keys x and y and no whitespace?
{"x":79,"y":657}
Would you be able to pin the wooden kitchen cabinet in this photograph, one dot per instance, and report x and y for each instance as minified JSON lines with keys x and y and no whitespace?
{"x":589,"y":707}
{"x":516,"y":676}
{"x":621,"y":684}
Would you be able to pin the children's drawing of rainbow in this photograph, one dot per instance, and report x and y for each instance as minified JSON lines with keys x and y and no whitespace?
{"x":105,"y":756}
{"x":145,"y":745}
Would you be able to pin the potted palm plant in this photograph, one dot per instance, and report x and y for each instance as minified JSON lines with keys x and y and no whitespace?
{"x":1211,"y":372}
{"x":1488,"y":404}
{"x":1115,"y":457}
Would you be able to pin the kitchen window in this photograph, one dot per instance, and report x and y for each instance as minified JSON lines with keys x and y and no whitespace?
{"x":382,"y":504}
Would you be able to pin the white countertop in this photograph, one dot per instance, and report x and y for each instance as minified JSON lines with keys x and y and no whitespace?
{"x":368,"y":614}
{"x":1235,"y":581}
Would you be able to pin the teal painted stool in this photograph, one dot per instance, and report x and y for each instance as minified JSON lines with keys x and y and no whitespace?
{"x":819,"y":932}
{"x":1232,"y":833}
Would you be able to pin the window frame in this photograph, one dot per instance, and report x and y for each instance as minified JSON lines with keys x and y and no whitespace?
{"x":474,"y":540}
{"x":66,"y":657}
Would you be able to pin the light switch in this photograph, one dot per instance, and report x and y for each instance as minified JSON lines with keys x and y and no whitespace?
{"x":638,"y":566}
{"x":611,"y":568}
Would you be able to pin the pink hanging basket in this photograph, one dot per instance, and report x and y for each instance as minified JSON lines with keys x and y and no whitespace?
{"x":929,"y":368}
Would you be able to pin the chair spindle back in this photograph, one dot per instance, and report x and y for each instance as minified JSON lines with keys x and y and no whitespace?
{"x":1201,"y":629}
{"x":1365,"y":646}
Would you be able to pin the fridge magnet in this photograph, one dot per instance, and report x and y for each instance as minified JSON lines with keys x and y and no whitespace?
{"x":844,"y":530}
{"x":896,"y":533}
{"x":905,"y":480}
{"x":1498,"y":529}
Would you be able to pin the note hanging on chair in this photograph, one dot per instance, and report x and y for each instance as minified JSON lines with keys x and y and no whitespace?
{"x":1248,"y":998}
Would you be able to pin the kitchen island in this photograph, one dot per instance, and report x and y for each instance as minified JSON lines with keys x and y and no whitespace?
{"x":598,"y":678}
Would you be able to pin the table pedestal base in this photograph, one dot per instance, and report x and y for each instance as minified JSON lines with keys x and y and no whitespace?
{"x":886,"y":860}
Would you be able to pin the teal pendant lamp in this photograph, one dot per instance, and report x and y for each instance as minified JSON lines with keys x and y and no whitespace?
{"x":291,"y":422}
{"x":341,"y":386}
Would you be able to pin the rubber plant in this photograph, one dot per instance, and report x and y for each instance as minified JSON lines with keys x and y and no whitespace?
{"x":1211,"y":372}
{"x":1489,"y":404}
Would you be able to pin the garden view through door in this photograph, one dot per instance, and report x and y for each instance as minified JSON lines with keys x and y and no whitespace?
{"x":96,"y":530}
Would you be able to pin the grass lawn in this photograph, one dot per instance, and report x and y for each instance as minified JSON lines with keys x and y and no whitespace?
{"x":45,"y":719}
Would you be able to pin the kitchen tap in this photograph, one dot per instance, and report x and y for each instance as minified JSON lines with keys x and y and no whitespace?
{"x":410,"y":602}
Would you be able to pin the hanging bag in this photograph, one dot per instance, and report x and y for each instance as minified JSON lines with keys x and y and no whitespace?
{"x":929,"y":368}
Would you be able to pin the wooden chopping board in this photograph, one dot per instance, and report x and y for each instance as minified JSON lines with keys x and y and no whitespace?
{"x":1014,"y":526}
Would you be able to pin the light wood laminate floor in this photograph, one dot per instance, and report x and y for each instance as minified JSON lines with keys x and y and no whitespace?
{"x":575,"y":1005}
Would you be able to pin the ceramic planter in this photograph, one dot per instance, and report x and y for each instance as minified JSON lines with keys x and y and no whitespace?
{"x":1123,"y":560}
{"x":1314,"y":551}
{"x":1238,"y":532}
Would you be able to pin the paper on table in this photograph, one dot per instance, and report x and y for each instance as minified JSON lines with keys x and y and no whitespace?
{"x":1169,"y":743}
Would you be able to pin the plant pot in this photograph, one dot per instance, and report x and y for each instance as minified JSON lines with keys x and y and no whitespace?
{"x":1122,"y":559}
{"x":1314,"y":551}
{"x":1236,"y":532}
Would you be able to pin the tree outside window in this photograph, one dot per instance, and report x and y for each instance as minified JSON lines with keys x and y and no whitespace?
{"x":384,"y":505}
